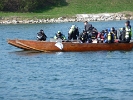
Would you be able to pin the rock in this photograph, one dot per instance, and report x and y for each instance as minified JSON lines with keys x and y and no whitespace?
{"x":77,"y":18}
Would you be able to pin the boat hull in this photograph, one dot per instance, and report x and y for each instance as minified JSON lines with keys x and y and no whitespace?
{"x":14,"y":43}
{"x":69,"y":46}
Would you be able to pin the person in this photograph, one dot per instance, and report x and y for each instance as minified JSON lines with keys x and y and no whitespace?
{"x":125,"y":33}
{"x":59,"y":35}
{"x":84,"y":37}
{"x":94,"y":33}
{"x":110,"y":37}
{"x":73,"y":33}
{"x":100,"y":36}
{"x":128,"y":31}
{"x":41,"y":36}
{"x":105,"y":36}
{"x":122,"y":35}
{"x":88,"y":27}
{"x":114,"y":32}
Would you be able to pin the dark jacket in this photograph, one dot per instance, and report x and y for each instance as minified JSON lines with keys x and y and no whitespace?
{"x":122,"y":36}
{"x":88,"y":27}
{"x":84,"y":37}
{"x":41,"y":36}
{"x":74,"y":34}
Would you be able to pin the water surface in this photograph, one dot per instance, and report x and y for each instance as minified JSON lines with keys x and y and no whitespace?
{"x":26,"y":75}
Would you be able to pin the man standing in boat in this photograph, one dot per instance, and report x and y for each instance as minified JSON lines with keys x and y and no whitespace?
{"x":128,"y":31}
{"x":91,"y":31}
{"x":125,"y":33}
{"x":88,"y":27}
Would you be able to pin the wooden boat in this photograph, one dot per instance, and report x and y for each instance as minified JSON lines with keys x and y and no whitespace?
{"x":47,"y":46}
{"x":14,"y":43}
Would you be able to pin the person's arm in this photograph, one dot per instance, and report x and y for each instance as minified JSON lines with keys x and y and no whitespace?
{"x":45,"y":35}
{"x":85,"y":28}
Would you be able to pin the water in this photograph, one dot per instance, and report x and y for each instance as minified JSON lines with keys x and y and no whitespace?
{"x":26,"y":75}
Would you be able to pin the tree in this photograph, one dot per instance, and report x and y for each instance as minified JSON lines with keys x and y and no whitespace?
{"x":1,"y":5}
{"x":27,"y":5}
{"x":11,"y":5}
{"x":30,"y":5}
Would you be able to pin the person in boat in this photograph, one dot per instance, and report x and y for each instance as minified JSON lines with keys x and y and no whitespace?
{"x":73,"y":33}
{"x":100,"y":36}
{"x":122,"y":35}
{"x":84,"y":37}
{"x":88,"y":27}
{"x":125,"y":33}
{"x":94,"y":33}
{"x":41,"y":36}
{"x":114,"y":32}
{"x":105,"y":36}
{"x":128,"y":31}
{"x":108,"y":36}
{"x":59,"y":35}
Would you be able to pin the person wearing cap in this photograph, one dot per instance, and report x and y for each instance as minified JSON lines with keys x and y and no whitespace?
{"x":128,"y":31}
{"x":41,"y":36}
{"x":59,"y":35}
{"x":73,"y":33}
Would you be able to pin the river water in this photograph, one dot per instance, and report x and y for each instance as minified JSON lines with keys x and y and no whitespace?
{"x":25,"y":75}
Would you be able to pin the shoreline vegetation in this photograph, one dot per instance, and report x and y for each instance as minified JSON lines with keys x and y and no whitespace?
{"x":75,"y":18}
{"x":57,"y":11}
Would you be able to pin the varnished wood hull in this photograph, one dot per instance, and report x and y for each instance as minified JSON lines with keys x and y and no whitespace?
{"x":69,"y":46}
{"x":14,"y":43}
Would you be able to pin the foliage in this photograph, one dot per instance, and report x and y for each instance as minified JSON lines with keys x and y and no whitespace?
{"x":26,"y":5}
{"x":62,"y":8}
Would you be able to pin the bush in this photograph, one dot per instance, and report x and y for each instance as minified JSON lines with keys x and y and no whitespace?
{"x":26,"y":5}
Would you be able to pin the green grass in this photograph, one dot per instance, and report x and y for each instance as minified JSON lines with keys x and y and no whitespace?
{"x":78,"y":7}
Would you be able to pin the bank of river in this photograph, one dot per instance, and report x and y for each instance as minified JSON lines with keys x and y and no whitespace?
{"x":76,"y":18}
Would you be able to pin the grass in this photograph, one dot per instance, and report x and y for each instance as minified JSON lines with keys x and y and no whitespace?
{"x":73,"y":7}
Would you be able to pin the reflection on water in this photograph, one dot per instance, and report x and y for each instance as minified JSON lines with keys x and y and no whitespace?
{"x":32,"y":53}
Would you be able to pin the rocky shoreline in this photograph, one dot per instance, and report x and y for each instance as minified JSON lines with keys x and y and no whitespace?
{"x":76,"y":18}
